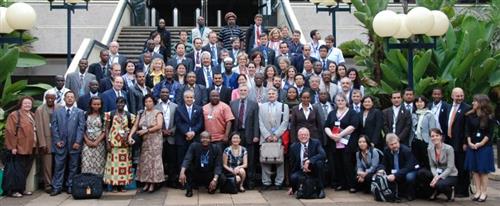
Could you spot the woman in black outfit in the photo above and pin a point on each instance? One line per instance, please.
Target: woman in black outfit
(340, 128)
(479, 130)
(372, 122)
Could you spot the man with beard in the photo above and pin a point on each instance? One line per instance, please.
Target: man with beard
(218, 119)
(230, 31)
(259, 93)
(201, 31)
(225, 92)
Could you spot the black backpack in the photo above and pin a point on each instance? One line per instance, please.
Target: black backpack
(308, 188)
(229, 185)
(380, 188)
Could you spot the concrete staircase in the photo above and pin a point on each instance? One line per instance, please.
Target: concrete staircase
(132, 38)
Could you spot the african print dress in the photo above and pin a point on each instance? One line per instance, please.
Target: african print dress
(94, 158)
(150, 168)
(119, 161)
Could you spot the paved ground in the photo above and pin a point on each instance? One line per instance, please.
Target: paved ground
(167, 197)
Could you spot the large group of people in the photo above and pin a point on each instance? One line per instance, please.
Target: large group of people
(196, 114)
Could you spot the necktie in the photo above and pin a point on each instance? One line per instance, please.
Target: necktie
(452, 119)
(241, 114)
(409, 108)
(209, 77)
(257, 38)
(189, 112)
(198, 57)
(324, 64)
(68, 113)
(325, 109)
(118, 94)
(356, 107)
(59, 97)
(218, 89)
(305, 153)
(82, 85)
(213, 52)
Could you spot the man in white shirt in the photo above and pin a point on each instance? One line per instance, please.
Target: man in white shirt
(59, 90)
(315, 43)
(334, 53)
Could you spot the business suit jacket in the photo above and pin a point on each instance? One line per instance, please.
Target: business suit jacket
(155, 55)
(67, 130)
(98, 70)
(234, 55)
(265, 50)
(446, 161)
(269, 120)
(186, 61)
(403, 123)
(109, 100)
(208, 48)
(251, 119)
(298, 62)
(225, 93)
(135, 97)
(406, 159)
(314, 150)
(372, 126)
(43, 115)
(83, 101)
(443, 115)
(73, 82)
(323, 116)
(142, 68)
(327, 63)
(122, 60)
(457, 138)
(192, 55)
(184, 124)
(200, 76)
(200, 95)
(250, 36)
(195, 33)
(253, 93)
(298, 120)
(172, 107)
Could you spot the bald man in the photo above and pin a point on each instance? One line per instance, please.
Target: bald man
(110, 95)
(455, 136)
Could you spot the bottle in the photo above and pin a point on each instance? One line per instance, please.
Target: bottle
(336, 130)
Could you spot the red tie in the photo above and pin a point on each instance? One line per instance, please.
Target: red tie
(258, 36)
(241, 114)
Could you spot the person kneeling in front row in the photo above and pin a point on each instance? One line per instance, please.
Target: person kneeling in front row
(201, 166)
(307, 158)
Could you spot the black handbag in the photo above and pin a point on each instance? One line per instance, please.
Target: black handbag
(13, 176)
(229, 185)
(87, 186)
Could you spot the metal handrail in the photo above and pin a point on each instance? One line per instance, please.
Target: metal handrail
(87, 45)
(290, 17)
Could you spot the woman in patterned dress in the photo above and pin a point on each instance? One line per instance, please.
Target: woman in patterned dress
(94, 150)
(150, 168)
(118, 171)
(235, 160)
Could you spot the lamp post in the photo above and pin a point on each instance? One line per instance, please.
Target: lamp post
(19, 17)
(70, 6)
(332, 7)
(418, 22)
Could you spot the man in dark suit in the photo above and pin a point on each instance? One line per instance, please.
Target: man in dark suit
(169, 152)
(205, 74)
(455, 137)
(323, 57)
(397, 119)
(213, 48)
(110, 95)
(100, 69)
(283, 53)
(235, 50)
(151, 50)
(356, 101)
(146, 64)
(298, 60)
(246, 113)
(180, 57)
(307, 158)
(189, 124)
(195, 55)
(68, 124)
(83, 101)
(399, 163)
(114, 56)
(267, 53)
(106, 83)
(137, 93)
(200, 91)
(295, 46)
(202, 165)
(253, 32)
(409, 98)
(225, 92)
(440, 108)
(324, 107)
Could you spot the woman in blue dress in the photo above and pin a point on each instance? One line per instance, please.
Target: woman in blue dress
(479, 155)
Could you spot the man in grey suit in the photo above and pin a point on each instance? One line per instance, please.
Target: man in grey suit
(273, 121)
(68, 124)
(78, 81)
(259, 93)
(246, 113)
(168, 130)
(200, 91)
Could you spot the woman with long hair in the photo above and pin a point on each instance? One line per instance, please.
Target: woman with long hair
(256, 58)
(368, 162)
(422, 121)
(129, 76)
(94, 147)
(479, 129)
(180, 73)
(289, 79)
(157, 73)
(353, 74)
(275, 40)
(372, 122)
(269, 74)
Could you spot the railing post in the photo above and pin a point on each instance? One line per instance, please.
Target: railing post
(175, 15)
(153, 17)
(219, 16)
(196, 15)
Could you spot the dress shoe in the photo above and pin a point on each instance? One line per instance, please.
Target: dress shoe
(189, 193)
(266, 187)
(483, 199)
(69, 191)
(321, 194)
(55, 192)
(278, 187)
(451, 196)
